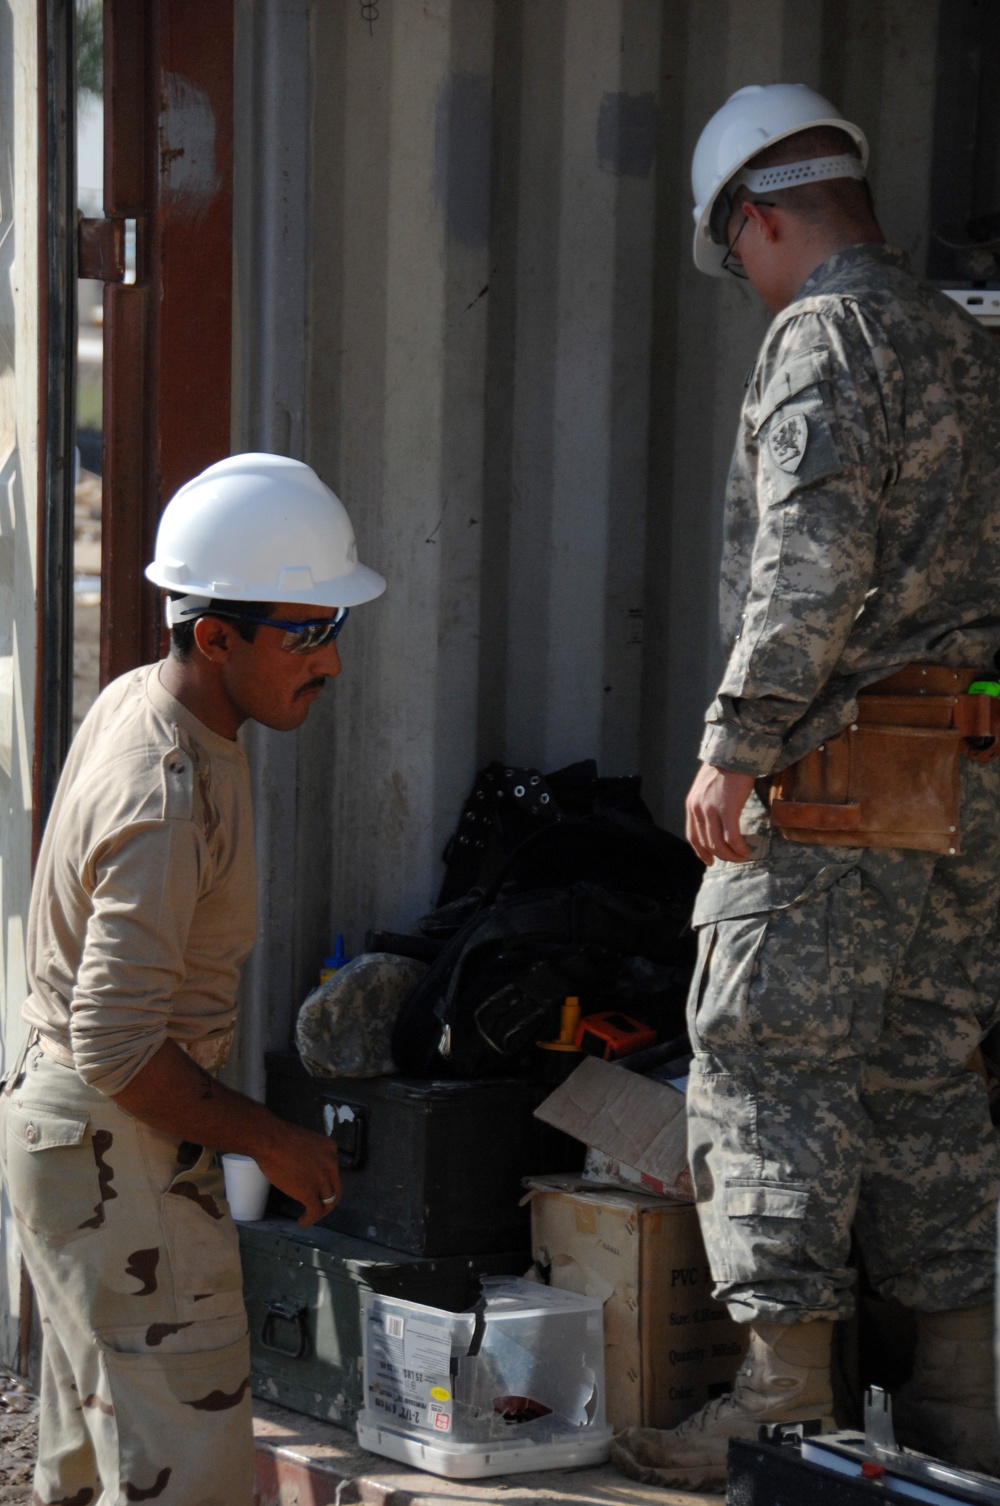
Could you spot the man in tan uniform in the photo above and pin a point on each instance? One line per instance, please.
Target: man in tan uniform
(142, 912)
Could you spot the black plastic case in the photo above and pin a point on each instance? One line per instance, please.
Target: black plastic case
(773, 1474)
(429, 1168)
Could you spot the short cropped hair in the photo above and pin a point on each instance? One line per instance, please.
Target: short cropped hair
(182, 633)
(826, 199)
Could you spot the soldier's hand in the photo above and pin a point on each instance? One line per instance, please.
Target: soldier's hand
(714, 804)
(304, 1165)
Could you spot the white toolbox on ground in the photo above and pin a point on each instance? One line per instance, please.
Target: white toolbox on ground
(515, 1384)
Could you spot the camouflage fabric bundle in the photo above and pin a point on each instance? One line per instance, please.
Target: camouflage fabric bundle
(344, 1028)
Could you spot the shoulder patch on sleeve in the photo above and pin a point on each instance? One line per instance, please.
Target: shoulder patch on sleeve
(178, 784)
(797, 428)
(787, 440)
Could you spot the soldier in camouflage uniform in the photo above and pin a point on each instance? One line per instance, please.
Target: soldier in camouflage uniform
(842, 986)
(142, 910)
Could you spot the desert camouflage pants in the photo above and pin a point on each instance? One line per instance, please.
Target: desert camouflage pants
(839, 994)
(135, 1263)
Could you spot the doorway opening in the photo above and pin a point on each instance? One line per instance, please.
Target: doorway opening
(90, 366)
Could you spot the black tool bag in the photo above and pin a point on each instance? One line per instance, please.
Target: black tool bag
(506, 805)
(595, 906)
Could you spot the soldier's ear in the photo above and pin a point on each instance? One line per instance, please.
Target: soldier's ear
(213, 637)
(764, 220)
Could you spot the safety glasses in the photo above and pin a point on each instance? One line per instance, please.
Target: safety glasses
(731, 262)
(300, 637)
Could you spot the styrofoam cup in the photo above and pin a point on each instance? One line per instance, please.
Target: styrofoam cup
(246, 1187)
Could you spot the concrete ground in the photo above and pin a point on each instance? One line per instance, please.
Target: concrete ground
(302, 1462)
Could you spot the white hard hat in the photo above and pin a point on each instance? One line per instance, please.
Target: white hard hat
(750, 120)
(259, 528)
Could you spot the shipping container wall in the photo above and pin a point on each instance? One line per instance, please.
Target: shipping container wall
(525, 395)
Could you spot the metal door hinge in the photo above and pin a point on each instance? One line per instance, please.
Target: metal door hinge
(100, 247)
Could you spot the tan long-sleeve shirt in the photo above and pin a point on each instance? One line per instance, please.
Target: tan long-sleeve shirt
(143, 905)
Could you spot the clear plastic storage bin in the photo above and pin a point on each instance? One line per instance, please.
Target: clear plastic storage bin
(514, 1384)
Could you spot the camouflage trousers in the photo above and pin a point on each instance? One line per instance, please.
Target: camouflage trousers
(838, 997)
(135, 1263)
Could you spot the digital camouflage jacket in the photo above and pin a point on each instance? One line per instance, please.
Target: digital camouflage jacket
(863, 507)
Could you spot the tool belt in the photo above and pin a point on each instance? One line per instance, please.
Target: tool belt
(892, 778)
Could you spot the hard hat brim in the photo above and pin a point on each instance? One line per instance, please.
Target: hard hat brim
(261, 527)
(351, 589)
(708, 255)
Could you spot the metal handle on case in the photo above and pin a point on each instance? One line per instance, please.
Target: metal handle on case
(350, 1134)
(280, 1308)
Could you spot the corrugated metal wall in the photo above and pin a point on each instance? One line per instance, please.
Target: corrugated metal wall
(525, 395)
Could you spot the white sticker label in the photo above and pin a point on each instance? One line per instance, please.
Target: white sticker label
(426, 1347)
(408, 1374)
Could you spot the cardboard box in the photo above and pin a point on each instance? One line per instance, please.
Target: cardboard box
(631, 1120)
(669, 1347)
(607, 1170)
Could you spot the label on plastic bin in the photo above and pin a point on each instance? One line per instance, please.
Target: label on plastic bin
(394, 1398)
(427, 1348)
(407, 1371)
(410, 1345)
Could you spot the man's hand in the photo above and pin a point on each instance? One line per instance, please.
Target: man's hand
(304, 1165)
(174, 1095)
(714, 804)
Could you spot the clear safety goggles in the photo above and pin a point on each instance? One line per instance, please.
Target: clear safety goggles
(300, 637)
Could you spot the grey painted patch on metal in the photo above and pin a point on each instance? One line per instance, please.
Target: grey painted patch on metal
(462, 157)
(187, 145)
(626, 134)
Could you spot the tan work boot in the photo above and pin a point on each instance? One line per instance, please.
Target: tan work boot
(948, 1406)
(785, 1378)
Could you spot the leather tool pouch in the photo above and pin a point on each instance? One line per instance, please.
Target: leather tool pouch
(874, 786)
(892, 779)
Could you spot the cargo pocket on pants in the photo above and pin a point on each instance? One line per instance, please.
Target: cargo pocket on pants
(765, 1224)
(720, 988)
(202, 1242)
(181, 1420)
(783, 981)
(53, 1170)
(801, 997)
